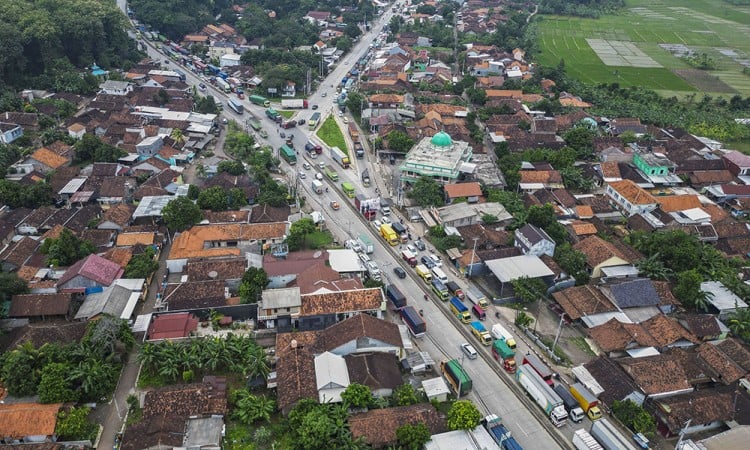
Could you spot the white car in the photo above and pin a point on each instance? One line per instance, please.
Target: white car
(353, 245)
(376, 224)
(323, 94)
(411, 249)
(322, 164)
(319, 176)
(469, 349)
(341, 114)
(436, 260)
(385, 220)
(306, 166)
(346, 120)
(302, 175)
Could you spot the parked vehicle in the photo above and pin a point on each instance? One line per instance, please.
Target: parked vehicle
(423, 272)
(397, 298)
(480, 332)
(457, 378)
(409, 256)
(582, 440)
(501, 435)
(609, 436)
(544, 372)
(499, 332)
(459, 310)
(476, 297)
(507, 357)
(542, 394)
(414, 322)
(439, 289)
(575, 413)
(478, 312)
(236, 106)
(294, 103)
(588, 401)
(454, 289)
(439, 274)
(340, 157)
(365, 243)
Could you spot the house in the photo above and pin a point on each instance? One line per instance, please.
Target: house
(600, 254)
(76, 131)
(331, 377)
(657, 376)
(195, 295)
(525, 266)
(617, 385)
(172, 326)
(112, 87)
(9, 132)
(45, 160)
(378, 426)
(28, 422)
(614, 338)
(728, 358)
(463, 214)
(40, 306)
(630, 198)
(668, 333)
(721, 300)
(737, 163)
(587, 304)
(284, 302)
(116, 218)
(656, 167)
(705, 327)
(319, 311)
(118, 300)
(700, 411)
(378, 371)
(92, 271)
(534, 241)
(471, 192)
(635, 297)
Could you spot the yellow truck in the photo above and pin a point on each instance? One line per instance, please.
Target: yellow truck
(389, 235)
(587, 400)
(424, 272)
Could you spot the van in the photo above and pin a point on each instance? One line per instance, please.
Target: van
(469, 350)
(478, 312)
(439, 274)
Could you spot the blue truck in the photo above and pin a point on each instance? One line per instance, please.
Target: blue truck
(459, 310)
(414, 321)
(397, 298)
(501, 435)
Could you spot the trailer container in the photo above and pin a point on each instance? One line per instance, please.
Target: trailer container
(397, 298)
(588, 401)
(609, 436)
(340, 157)
(476, 297)
(273, 115)
(542, 394)
(368, 207)
(260, 101)
(582, 440)
(575, 413)
(413, 321)
(541, 369)
(312, 122)
(409, 256)
(236, 106)
(294, 103)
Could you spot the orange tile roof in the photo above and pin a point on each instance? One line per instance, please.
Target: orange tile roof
(584, 211)
(582, 228)
(674, 203)
(463, 190)
(504, 93)
(610, 169)
(119, 255)
(633, 193)
(49, 158)
(28, 419)
(130, 239)
(386, 98)
(192, 243)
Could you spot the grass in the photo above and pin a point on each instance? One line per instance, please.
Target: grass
(286, 113)
(318, 239)
(701, 25)
(331, 134)
(580, 342)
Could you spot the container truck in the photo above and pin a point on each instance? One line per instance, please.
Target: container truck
(413, 321)
(365, 243)
(542, 394)
(480, 332)
(588, 401)
(397, 298)
(294, 103)
(368, 207)
(312, 122)
(501, 435)
(582, 440)
(359, 150)
(476, 297)
(544, 372)
(340, 157)
(609, 436)
(454, 289)
(255, 124)
(273, 115)
(331, 173)
(500, 332)
(236, 106)
(388, 234)
(366, 178)
(502, 353)
(353, 132)
(409, 256)
(223, 85)
(575, 413)
(423, 272)
(317, 186)
(260, 101)
(288, 154)
(457, 378)
(348, 189)
(312, 147)
(460, 310)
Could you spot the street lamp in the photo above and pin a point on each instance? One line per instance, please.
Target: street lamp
(473, 255)
(458, 394)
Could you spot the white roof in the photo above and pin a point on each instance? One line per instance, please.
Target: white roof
(595, 320)
(130, 157)
(642, 352)
(151, 206)
(331, 377)
(434, 387)
(281, 298)
(584, 377)
(696, 214)
(72, 186)
(515, 267)
(477, 439)
(344, 260)
(722, 298)
(620, 271)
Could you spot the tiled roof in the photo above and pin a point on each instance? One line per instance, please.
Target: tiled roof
(295, 369)
(700, 407)
(738, 352)
(540, 176)
(702, 325)
(95, 268)
(584, 212)
(674, 203)
(665, 294)
(119, 255)
(268, 214)
(195, 294)
(597, 250)
(738, 158)
(203, 269)
(191, 243)
(615, 336)
(610, 169)
(130, 239)
(119, 214)
(39, 333)
(632, 192)
(28, 419)
(18, 254)
(612, 378)
(459, 190)
(583, 228)
(378, 426)
(630, 293)
(35, 305)
(172, 326)
(361, 325)
(338, 302)
(667, 331)
(729, 371)
(656, 374)
(49, 158)
(533, 234)
(374, 370)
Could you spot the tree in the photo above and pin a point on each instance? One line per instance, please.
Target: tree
(357, 396)
(142, 265)
(254, 280)
(180, 214)
(399, 141)
(231, 167)
(54, 386)
(11, 284)
(477, 96)
(352, 31)
(91, 148)
(634, 417)
(413, 437)
(236, 198)
(463, 415)
(739, 323)
(426, 192)
(66, 249)
(688, 290)
(572, 262)
(249, 408)
(581, 139)
(652, 267)
(528, 290)
(298, 231)
(405, 395)
(21, 369)
(214, 198)
(489, 219)
(193, 190)
(344, 43)
(73, 425)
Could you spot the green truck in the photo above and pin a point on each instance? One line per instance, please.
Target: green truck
(260, 101)
(457, 378)
(273, 115)
(331, 173)
(288, 154)
(255, 125)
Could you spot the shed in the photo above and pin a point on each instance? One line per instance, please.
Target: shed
(436, 389)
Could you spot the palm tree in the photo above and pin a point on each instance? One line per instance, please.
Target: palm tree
(177, 136)
(739, 323)
(148, 356)
(652, 267)
(263, 407)
(701, 300)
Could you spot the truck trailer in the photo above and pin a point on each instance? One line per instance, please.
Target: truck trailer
(415, 323)
(501, 435)
(544, 372)
(575, 413)
(457, 378)
(366, 244)
(368, 207)
(260, 101)
(480, 332)
(340, 157)
(459, 310)
(582, 440)
(294, 104)
(273, 115)
(500, 332)
(397, 298)
(542, 394)
(502, 353)
(609, 437)
(476, 297)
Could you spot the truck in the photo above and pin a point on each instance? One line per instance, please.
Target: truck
(588, 401)
(294, 103)
(385, 206)
(223, 85)
(459, 310)
(340, 157)
(359, 150)
(273, 115)
(312, 147)
(542, 394)
(348, 189)
(501, 435)
(476, 297)
(312, 122)
(331, 173)
(397, 298)
(609, 436)
(480, 332)
(401, 231)
(255, 124)
(366, 178)
(439, 289)
(499, 332)
(582, 440)
(457, 378)
(368, 207)
(288, 154)
(544, 372)
(575, 413)
(286, 124)
(366, 244)
(260, 101)
(502, 353)
(454, 289)
(353, 132)
(409, 256)
(423, 272)
(317, 186)
(415, 323)
(236, 106)
(388, 234)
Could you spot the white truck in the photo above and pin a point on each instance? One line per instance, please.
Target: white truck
(294, 103)
(582, 440)
(609, 436)
(366, 243)
(317, 186)
(543, 395)
(223, 85)
(476, 297)
(500, 332)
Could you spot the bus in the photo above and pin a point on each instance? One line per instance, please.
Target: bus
(439, 289)
(348, 189)
(236, 105)
(288, 154)
(314, 119)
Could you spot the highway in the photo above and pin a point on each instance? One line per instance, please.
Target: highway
(491, 391)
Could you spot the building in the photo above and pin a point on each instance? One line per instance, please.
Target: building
(721, 300)
(534, 241)
(471, 192)
(91, 272)
(439, 158)
(630, 198)
(378, 426)
(9, 132)
(28, 422)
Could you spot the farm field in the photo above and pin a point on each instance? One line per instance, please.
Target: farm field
(641, 46)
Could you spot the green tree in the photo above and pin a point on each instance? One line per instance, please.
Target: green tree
(249, 408)
(477, 96)
(214, 198)
(206, 105)
(413, 437)
(231, 167)
(91, 148)
(357, 396)
(142, 265)
(21, 369)
(11, 284)
(254, 280)
(73, 425)
(298, 232)
(405, 395)
(239, 144)
(653, 267)
(54, 386)
(634, 417)
(489, 219)
(509, 199)
(688, 290)
(426, 192)
(581, 139)
(66, 249)
(528, 290)
(463, 415)
(344, 43)
(352, 31)
(739, 323)
(180, 214)
(236, 198)
(194, 190)
(399, 141)
(572, 262)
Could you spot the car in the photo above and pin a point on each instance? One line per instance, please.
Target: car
(322, 164)
(306, 166)
(166, 61)
(314, 106)
(301, 122)
(386, 220)
(282, 134)
(202, 87)
(346, 119)
(353, 245)
(419, 243)
(411, 248)
(302, 175)
(335, 205)
(323, 94)
(376, 224)
(401, 273)
(319, 176)
(364, 258)
(469, 350)
(427, 261)
(436, 260)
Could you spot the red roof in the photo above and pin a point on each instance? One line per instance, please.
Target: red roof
(172, 326)
(94, 267)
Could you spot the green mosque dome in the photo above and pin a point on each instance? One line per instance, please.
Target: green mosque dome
(441, 139)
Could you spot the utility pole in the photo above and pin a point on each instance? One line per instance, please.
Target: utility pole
(473, 255)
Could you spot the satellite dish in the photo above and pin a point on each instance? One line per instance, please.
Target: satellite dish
(213, 274)
(293, 344)
(317, 254)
